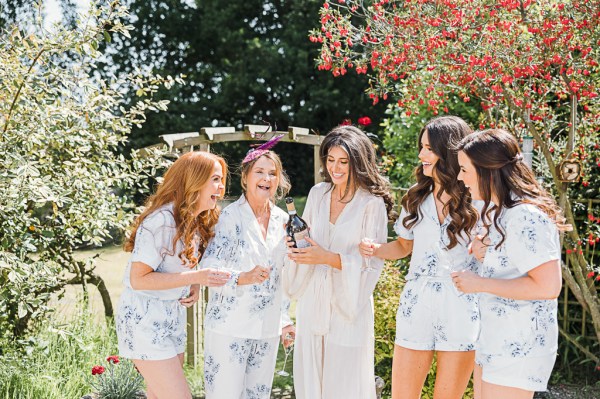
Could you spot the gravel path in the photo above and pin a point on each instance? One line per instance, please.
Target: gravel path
(570, 392)
(554, 392)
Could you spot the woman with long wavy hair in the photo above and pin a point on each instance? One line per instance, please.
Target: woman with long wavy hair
(161, 280)
(435, 226)
(520, 278)
(334, 352)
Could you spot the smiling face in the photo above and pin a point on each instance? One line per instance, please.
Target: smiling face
(338, 166)
(210, 192)
(427, 157)
(262, 180)
(468, 175)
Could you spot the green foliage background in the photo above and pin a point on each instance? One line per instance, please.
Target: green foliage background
(245, 62)
(65, 181)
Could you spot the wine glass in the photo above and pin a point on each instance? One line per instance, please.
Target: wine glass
(218, 265)
(448, 261)
(262, 289)
(367, 231)
(287, 350)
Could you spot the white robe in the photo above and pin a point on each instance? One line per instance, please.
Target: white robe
(334, 350)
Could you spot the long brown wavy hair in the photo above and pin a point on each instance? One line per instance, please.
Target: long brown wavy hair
(362, 161)
(444, 133)
(182, 185)
(501, 172)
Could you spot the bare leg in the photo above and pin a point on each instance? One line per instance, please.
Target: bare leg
(493, 391)
(453, 373)
(164, 378)
(477, 382)
(152, 395)
(409, 370)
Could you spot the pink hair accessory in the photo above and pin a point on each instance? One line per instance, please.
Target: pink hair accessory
(254, 153)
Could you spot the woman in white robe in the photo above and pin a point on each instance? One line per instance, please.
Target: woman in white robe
(334, 350)
(245, 318)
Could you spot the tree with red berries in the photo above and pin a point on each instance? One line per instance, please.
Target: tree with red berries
(532, 66)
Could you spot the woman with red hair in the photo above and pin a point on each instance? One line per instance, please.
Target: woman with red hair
(161, 280)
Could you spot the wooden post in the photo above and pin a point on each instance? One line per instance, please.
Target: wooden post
(317, 164)
(191, 341)
(195, 322)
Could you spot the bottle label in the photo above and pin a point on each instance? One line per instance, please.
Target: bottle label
(300, 239)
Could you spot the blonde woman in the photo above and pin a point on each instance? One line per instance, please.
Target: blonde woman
(245, 319)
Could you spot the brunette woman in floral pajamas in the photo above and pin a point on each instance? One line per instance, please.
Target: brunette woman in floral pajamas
(166, 242)
(434, 226)
(520, 278)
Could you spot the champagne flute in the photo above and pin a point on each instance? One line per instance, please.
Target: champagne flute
(366, 231)
(262, 289)
(287, 350)
(218, 265)
(448, 261)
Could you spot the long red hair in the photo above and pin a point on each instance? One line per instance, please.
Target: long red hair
(182, 184)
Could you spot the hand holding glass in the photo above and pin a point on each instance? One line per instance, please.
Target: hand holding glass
(366, 231)
(263, 287)
(287, 350)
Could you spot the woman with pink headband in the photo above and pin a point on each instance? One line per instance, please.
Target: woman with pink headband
(245, 318)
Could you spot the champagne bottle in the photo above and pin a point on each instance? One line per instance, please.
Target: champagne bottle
(296, 228)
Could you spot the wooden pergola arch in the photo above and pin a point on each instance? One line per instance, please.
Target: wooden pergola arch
(192, 141)
(185, 142)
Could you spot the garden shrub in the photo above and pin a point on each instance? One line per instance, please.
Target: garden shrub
(63, 180)
(386, 298)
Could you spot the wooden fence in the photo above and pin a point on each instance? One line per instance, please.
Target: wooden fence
(575, 324)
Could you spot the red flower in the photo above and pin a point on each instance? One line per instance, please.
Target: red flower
(113, 359)
(364, 121)
(598, 277)
(346, 122)
(590, 275)
(569, 251)
(97, 370)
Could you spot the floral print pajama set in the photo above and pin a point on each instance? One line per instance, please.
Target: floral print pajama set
(243, 323)
(519, 338)
(151, 324)
(433, 315)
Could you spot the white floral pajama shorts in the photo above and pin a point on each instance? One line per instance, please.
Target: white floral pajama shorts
(528, 373)
(433, 315)
(150, 328)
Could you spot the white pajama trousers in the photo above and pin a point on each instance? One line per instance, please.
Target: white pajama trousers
(238, 368)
